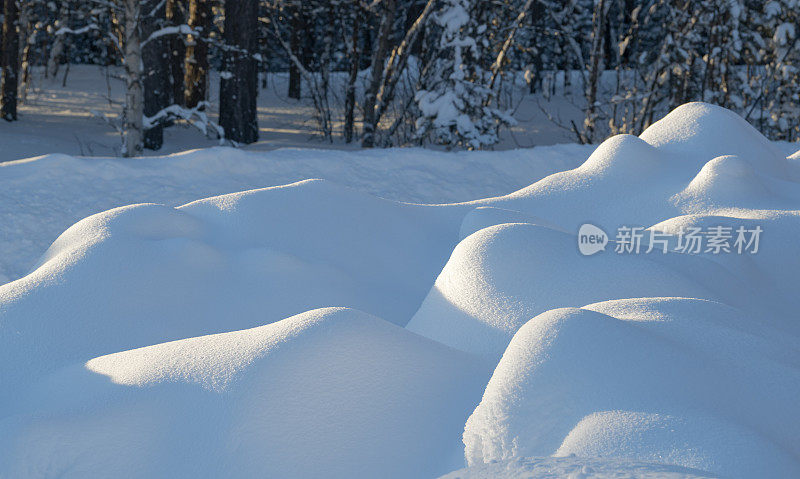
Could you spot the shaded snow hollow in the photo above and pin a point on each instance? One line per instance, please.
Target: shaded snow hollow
(312, 330)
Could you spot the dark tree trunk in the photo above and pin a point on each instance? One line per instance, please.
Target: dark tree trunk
(196, 79)
(310, 40)
(295, 80)
(10, 63)
(378, 60)
(355, 60)
(155, 78)
(239, 81)
(537, 16)
(176, 15)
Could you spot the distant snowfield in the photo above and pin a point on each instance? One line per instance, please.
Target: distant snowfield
(326, 329)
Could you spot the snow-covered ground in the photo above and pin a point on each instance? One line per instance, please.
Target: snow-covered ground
(573, 467)
(41, 197)
(67, 118)
(339, 328)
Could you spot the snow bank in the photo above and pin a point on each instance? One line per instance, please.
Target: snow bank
(673, 380)
(632, 180)
(670, 178)
(42, 197)
(696, 132)
(327, 393)
(687, 359)
(229, 262)
(500, 277)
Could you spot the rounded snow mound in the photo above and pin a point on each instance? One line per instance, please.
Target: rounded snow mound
(625, 155)
(230, 262)
(671, 380)
(327, 393)
(664, 438)
(624, 180)
(766, 268)
(697, 132)
(501, 276)
(726, 180)
(631, 180)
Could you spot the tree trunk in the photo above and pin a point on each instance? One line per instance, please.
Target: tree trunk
(595, 66)
(134, 98)
(295, 80)
(176, 15)
(196, 79)
(29, 39)
(8, 109)
(355, 60)
(326, 64)
(156, 74)
(239, 80)
(378, 60)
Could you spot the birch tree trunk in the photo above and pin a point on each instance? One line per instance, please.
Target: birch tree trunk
(10, 63)
(134, 97)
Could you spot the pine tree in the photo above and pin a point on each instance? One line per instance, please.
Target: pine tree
(456, 105)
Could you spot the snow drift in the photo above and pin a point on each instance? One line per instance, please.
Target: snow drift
(500, 277)
(670, 380)
(231, 262)
(700, 369)
(42, 197)
(117, 356)
(327, 393)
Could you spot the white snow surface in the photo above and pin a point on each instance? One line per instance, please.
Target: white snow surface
(41, 197)
(316, 330)
(573, 467)
(328, 393)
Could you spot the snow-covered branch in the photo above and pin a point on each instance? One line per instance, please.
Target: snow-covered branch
(171, 30)
(196, 117)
